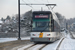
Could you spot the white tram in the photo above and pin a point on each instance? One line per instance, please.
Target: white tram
(45, 27)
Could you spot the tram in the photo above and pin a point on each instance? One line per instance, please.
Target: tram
(45, 27)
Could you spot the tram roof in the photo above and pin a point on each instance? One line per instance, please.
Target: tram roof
(42, 11)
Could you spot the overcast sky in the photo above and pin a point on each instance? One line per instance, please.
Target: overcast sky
(10, 7)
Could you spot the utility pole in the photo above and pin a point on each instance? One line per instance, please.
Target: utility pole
(19, 19)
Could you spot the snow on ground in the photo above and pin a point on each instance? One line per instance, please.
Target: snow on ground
(68, 44)
(63, 34)
(52, 46)
(25, 47)
(7, 39)
(73, 33)
(36, 47)
(12, 39)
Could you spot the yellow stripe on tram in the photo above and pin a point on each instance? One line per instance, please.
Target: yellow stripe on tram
(41, 35)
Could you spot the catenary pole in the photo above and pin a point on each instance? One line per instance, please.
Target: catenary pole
(19, 19)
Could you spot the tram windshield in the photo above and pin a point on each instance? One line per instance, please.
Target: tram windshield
(40, 26)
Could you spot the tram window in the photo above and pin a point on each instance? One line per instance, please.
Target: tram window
(33, 24)
(42, 24)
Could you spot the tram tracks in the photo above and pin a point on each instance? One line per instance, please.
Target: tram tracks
(33, 47)
(60, 44)
(38, 46)
(29, 47)
(43, 46)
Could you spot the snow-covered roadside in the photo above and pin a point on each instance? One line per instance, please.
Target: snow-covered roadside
(36, 47)
(68, 43)
(12, 39)
(25, 47)
(52, 46)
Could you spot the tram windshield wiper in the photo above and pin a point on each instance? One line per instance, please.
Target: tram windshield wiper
(45, 28)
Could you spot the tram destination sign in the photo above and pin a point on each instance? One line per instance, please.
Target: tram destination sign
(41, 16)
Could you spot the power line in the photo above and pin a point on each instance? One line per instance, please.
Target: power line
(38, 1)
(48, 7)
(45, 1)
(41, 4)
(28, 5)
(38, 4)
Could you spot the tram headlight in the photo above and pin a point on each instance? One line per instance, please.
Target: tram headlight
(48, 34)
(33, 34)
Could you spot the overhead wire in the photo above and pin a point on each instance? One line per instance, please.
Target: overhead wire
(37, 1)
(48, 6)
(30, 2)
(28, 5)
(44, 2)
